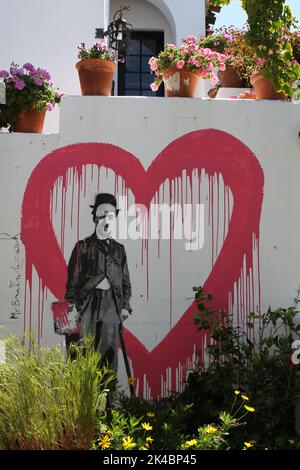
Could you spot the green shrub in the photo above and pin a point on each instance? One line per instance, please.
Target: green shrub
(260, 367)
(48, 401)
(259, 370)
(165, 427)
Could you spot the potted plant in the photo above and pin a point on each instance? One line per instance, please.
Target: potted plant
(216, 40)
(181, 68)
(240, 57)
(276, 68)
(29, 94)
(96, 68)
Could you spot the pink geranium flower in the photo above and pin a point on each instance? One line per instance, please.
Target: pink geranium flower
(190, 39)
(153, 64)
(207, 52)
(184, 50)
(214, 79)
(153, 86)
(180, 64)
(193, 47)
(194, 61)
(203, 73)
(260, 62)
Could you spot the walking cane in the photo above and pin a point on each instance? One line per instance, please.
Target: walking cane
(127, 366)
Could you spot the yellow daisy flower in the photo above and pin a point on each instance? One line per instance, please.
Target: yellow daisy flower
(244, 397)
(248, 445)
(210, 429)
(150, 414)
(249, 408)
(150, 439)
(191, 443)
(237, 392)
(128, 442)
(104, 443)
(147, 426)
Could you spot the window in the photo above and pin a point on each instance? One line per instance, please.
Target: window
(134, 75)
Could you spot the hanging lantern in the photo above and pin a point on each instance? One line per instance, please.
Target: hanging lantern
(119, 30)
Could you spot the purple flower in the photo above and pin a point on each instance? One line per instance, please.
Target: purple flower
(29, 67)
(43, 74)
(20, 85)
(49, 106)
(4, 74)
(37, 81)
(19, 71)
(228, 37)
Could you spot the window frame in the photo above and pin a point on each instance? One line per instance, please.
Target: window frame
(140, 35)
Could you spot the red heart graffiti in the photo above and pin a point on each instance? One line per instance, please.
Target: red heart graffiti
(212, 150)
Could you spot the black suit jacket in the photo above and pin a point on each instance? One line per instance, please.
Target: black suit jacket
(93, 259)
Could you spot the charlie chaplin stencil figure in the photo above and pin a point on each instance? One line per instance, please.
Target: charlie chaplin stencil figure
(99, 283)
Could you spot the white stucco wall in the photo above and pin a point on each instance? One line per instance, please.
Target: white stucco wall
(144, 127)
(189, 16)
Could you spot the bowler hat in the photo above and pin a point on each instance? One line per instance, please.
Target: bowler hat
(105, 198)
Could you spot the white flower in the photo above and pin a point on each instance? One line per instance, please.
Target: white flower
(296, 94)
(296, 97)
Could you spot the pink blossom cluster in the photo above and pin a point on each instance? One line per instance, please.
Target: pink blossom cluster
(101, 46)
(99, 50)
(260, 62)
(153, 64)
(190, 56)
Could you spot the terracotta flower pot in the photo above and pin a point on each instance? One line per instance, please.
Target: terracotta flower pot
(229, 78)
(264, 88)
(96, 76)
(181, 83)
(30, 121)
(248, 95)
